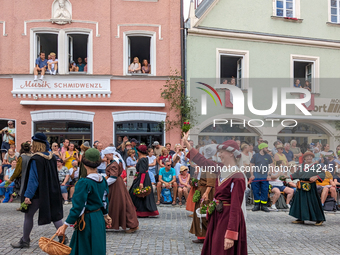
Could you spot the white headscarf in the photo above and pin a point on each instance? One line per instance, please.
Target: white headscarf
(117, 156)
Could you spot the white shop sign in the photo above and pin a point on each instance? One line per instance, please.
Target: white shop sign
(61, 86)
(324, 107)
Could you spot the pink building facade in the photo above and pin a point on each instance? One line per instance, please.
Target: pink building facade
(106, 101)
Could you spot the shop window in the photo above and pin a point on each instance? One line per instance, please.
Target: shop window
(77, 49)
(141, 47)
(302, 129)
(231, 70)
(47, 43)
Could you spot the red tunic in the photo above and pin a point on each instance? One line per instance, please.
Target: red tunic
(230, 222)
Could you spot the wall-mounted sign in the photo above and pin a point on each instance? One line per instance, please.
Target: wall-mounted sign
(324, 107)
(61, 86)
(23, 122)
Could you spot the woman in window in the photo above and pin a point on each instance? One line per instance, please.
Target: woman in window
(146, 68)
(73, 67)
(135, 66)
(307, 86)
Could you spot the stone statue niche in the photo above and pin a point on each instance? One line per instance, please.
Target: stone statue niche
(61, 12)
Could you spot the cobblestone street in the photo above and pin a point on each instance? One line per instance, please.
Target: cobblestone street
(268, 233)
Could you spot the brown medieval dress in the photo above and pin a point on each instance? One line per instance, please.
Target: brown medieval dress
(121, 209)
(228, 223)
(206, 180)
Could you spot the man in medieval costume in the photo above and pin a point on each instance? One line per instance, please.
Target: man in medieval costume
(41, 190)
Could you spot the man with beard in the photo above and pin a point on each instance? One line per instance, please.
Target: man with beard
(260, 164)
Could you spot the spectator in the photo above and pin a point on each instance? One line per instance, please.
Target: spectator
(133, 145)
(126, 146)
(52, 64)
(167, 179)
(191, 142)
(101, 168)
(260, 177)
(95, 144)
(280, 156)
(296, 150)
(73, 67)
(307, 86)
(207, 140)
(168, 147)
(233, 81)
(326, 151)
(40, 66)
(82, 169)
(288, 153)
(238, 143)
(146, 68)
(74, 177)
(7, 192)
(183, 186)
(152, 161)
(297, 84)
(135, 66)
(64, 175)
(325, 187)
(10, 157)
(251, 149)
(8, 137)
(157, 149)
(66, 143)
(85, 67)
(80, 65)
(165, 156)
(278, 187)
(70, 155)
(259, 141)
(11, 147)
(177, 166)
(131, 160)
(179, 151)
(55, 150)
(274, 150)
(245, 157)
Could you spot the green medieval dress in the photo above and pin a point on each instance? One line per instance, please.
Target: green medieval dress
(307, 204)
(89, 196)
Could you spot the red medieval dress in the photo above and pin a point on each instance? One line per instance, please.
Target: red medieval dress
(230, 222)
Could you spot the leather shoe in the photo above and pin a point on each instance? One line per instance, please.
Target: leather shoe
(198, 241)
(264, 208)
(21, 244)
(256, 208)
(61, 239)
(131, 230)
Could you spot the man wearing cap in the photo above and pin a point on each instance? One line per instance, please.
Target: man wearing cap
(133, 145)
(41, 190)
(157, 148)
(260, 165)
(95, 144)
(306, 203)
(121, 208)
(123, 151)
(8, 137)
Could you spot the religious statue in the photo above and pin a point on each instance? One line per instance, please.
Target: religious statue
(61, 12)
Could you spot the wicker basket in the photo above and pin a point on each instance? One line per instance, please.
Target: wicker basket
(199, 215)
(52, 247)
(144, 194)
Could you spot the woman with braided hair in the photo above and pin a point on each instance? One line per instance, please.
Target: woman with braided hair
(226, 232)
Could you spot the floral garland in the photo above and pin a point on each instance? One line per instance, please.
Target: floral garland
(138, 191)
(210, 207)
(306, 187)
(194, 182)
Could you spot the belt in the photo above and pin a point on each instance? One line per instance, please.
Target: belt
(82, 221)
(87, 211)
(225, 203)
(298, 185)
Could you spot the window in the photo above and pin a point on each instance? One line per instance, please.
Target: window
(233, 67)
(335, 13)
(77, 48)
(285, 8)
(68, 44)
(305, 72)
(141, 46)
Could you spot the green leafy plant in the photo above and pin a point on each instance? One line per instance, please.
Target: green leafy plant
(197, 196)
(204, 209)
(182, 105)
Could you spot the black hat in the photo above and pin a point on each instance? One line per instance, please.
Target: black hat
(41, 138)
(133, 140)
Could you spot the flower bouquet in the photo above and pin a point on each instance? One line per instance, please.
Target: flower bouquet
(142, 192)
(194, 182)
(212, 206)
(186, 127)
(197, 196)
(23, 207)
(6, 184)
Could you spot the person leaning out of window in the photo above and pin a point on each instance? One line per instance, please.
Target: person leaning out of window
(146, 67)
(135, 66)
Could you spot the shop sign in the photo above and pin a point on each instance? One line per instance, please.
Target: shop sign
(324, 107)
(61, 86)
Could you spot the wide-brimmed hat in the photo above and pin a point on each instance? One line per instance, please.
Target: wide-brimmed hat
(308, 153)
(142, 149)
(292, 163)
(127, 143)
(183, 168)
(92, 158)
(279, 146)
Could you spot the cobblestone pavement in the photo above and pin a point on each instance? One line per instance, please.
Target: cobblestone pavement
(268, 233)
